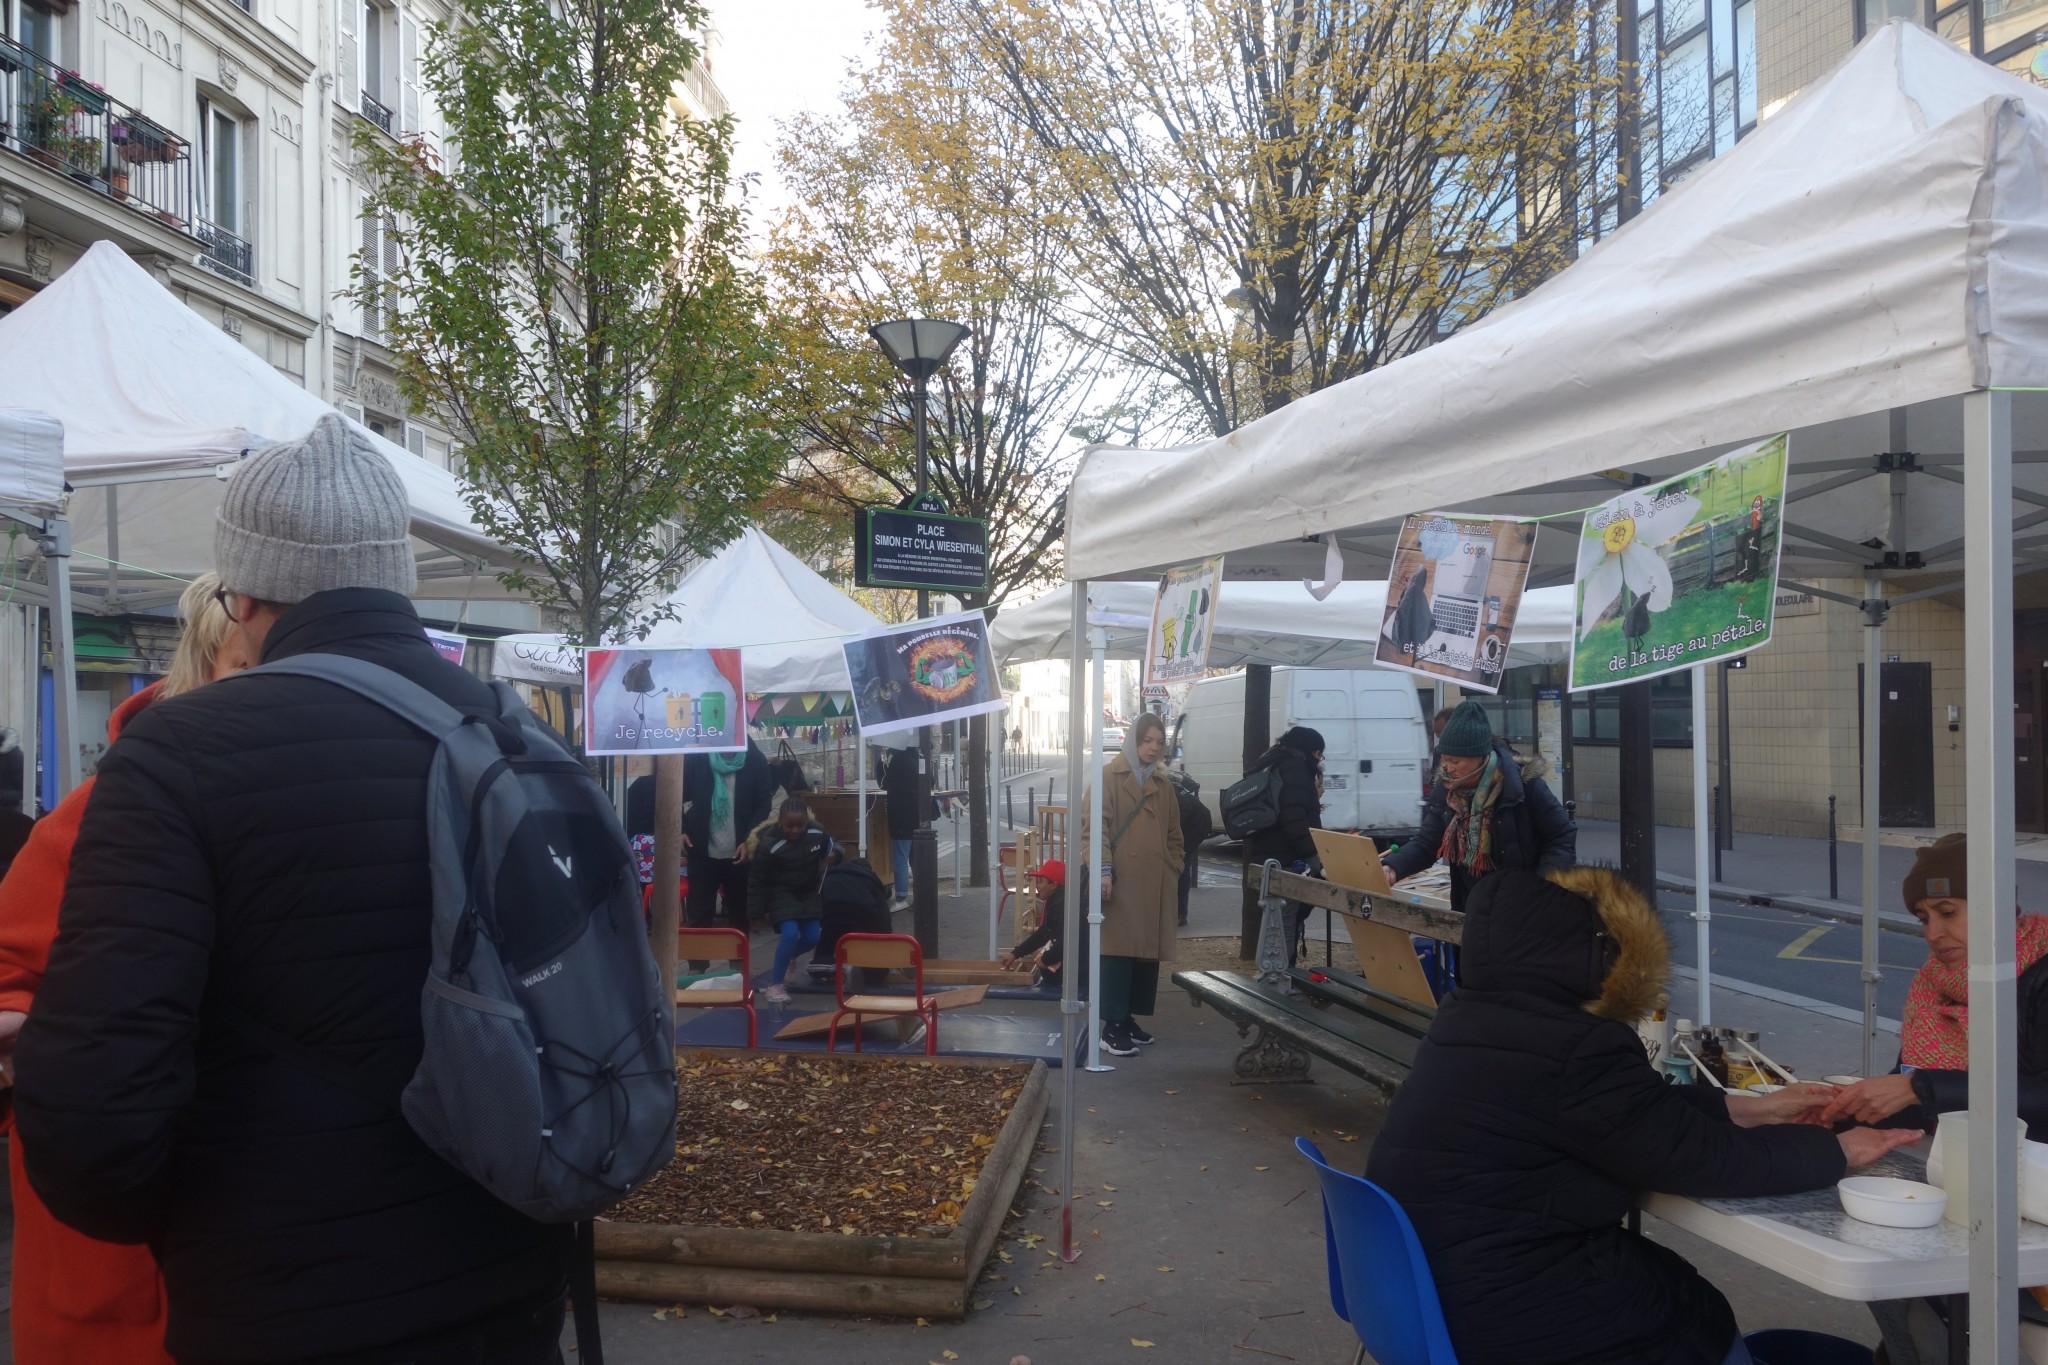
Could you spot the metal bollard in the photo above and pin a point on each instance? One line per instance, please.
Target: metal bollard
(1834, 872)
(1031, 806)
(1010, 807)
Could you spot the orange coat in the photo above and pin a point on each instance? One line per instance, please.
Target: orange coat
(75, 1301)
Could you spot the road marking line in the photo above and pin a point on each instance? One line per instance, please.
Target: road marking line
(1806, 940)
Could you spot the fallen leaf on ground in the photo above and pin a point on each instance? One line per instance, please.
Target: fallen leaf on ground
(1166, 1270)
(1139, 1341)
(718, 1312)
(1262, 1168)
(1102, 1279)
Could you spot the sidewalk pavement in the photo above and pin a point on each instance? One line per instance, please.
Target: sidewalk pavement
(1200, 1226)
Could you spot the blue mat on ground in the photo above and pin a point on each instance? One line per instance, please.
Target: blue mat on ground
(1023, 990)
(960, 1034)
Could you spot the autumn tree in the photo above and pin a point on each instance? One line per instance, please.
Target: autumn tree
(571, 292)
(922, 199)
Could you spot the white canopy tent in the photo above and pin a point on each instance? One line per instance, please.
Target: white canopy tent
(32, 496)
(1259, 623)
(1867, 271)
(157, 406)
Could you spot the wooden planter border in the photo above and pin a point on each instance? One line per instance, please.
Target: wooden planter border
(929, 1277)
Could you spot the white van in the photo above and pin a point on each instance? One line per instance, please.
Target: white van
(1375, 745)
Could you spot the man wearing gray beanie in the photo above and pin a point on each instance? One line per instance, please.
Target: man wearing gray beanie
(247, 915)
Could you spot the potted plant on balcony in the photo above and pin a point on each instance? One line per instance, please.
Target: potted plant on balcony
(85, 158)
(141, 140)
(89, 96)
(46, 125)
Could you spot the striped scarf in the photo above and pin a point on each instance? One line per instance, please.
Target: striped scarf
(1936, 1032)
(1468, 838)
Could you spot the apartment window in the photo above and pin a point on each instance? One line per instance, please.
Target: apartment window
(1596, 716)
(224, 210)
(42, 32)
(365, 41)
(376, 294)
(1995, 30)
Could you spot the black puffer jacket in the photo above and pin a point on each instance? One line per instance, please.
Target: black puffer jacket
(753, 792)
(1532, 1119)
(1532, 831)
(785, 876)
(260, 844)
(1301, 810)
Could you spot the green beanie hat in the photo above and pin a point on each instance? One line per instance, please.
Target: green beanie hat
(1940, 871)
(1467, 733)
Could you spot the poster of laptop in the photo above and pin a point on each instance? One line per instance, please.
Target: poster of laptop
(1452, 596)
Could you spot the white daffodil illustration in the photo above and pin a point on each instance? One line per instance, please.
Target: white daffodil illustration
(1625, 550)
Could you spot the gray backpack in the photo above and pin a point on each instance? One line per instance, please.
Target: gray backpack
(549, 1074)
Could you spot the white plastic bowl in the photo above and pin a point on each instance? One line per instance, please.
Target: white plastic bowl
(1892, 1203)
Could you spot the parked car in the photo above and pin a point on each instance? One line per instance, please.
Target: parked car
(1376, 747)
(1112, 739)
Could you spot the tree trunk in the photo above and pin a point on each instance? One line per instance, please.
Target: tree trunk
(977, 799)
(667, 907)
(1258, 737)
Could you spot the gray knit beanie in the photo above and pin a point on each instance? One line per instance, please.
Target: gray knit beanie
(309, 515)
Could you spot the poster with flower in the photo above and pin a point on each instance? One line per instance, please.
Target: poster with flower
(1681, 572)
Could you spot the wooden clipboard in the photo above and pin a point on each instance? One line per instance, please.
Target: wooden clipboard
(1386, 957)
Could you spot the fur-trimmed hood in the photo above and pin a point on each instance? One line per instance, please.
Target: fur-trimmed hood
(1581, 936)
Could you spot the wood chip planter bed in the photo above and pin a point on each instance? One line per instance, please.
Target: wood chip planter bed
(834, 1183)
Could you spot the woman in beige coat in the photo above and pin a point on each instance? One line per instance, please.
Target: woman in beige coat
(1141, 862)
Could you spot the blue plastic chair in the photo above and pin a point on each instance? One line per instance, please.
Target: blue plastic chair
(1380, 1281)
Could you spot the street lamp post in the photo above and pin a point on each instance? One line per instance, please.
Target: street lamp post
(919, 346)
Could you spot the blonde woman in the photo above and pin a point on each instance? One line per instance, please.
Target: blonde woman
(75, 1299)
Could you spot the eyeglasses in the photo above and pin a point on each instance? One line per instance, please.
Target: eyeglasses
(225, 598)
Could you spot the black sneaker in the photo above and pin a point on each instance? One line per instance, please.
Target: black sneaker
(1116, 1042)
(1138, 1035)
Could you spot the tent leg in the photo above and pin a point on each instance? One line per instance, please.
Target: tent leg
(63, 656)
(1070, 970)
(31, 707)
(1988, 779)
(1874, 613)
(860, 803)
(1099, 638)
(995, 831)
(1702, 855)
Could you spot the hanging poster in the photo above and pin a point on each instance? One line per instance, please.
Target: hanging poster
(1452, 596)
(450, 647)
(1177, 646)
(1681, 572)
(918, 674)
(663, 701)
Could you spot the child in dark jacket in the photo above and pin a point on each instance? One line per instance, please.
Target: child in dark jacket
(785, 875)
(855, 902)
(1049, 941)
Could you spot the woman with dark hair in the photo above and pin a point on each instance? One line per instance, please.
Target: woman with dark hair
(1141, 860)
(1298, 757)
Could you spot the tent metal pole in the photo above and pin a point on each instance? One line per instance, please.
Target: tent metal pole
(63, 656)
(996, 727)
(1070, 1003)
(1097, 703)
(860, 801)
(1702, 853)
(32, 705)
(1874, 611)
(1988, 780)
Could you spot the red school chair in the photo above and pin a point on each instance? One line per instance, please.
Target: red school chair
(719, 945)
(895, 952)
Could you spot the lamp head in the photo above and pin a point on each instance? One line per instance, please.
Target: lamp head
(918, 346)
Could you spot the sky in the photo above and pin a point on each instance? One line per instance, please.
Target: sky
(779, 58)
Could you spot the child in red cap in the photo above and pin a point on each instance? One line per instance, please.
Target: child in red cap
(1047, 942)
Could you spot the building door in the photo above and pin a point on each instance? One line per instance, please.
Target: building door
(1905, 726)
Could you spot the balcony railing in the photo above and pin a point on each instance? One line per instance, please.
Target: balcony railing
(52, 117)
(376, 113)
(227, 254)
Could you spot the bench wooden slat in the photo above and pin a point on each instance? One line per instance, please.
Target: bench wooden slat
(1350, 991)
(1365, 1047)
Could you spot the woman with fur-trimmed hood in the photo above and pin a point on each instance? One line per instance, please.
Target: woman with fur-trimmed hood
(1533, 1119)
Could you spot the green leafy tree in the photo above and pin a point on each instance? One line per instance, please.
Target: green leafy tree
(564, 281)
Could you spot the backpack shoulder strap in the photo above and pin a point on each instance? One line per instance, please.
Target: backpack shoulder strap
(390, 690)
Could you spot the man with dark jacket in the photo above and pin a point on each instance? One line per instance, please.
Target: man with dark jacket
(725, 796)
(1532, 1119)
(1488, 811)
(900, 782)
(853, 901)
(249, 906)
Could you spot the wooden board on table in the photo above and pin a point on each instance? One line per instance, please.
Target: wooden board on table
(939, 971)
(818, 1025)
(1386, 958)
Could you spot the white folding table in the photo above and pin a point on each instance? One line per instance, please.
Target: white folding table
(1808, 1239)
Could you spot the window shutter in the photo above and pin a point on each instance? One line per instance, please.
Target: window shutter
(408, 75)
(388, 270)
(348, 51)
(416, 440)
(372, 263)
(352, 411)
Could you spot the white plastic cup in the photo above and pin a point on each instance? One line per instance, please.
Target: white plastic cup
(1948, 1165)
